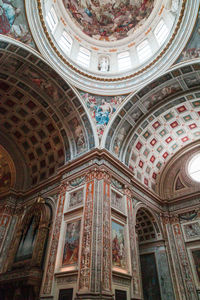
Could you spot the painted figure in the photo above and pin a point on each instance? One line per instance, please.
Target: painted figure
(12, 21)
(70, 254)
(108, 19)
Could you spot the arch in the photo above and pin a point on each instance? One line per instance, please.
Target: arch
(177, 168)
(151, 230)
(40, 112)
(169, 106)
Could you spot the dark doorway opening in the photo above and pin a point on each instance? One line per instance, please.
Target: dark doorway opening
(120, 295)
(66, 294)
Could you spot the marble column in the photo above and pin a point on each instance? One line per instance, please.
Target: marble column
(135, 264)
(94, 279)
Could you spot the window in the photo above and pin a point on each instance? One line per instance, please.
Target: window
(124, 61)
(161, 32)
(144, 51)
(194, 168)
(65, 42)
(52, 19)
(83, 57)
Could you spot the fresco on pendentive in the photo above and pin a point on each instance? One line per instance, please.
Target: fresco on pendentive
(192, 49)
(101, 108)
(13, 22)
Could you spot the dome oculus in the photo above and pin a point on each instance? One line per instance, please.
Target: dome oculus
(109, 20)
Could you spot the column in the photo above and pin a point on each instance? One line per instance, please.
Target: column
(182, 275)
(94, 279)
(135, 265)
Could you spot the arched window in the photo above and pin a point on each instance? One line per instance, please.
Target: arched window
(161, 32)
(124, 61)
(84, 57)
(52, 19)
(194, 168)
(144, 51)
(65, 42)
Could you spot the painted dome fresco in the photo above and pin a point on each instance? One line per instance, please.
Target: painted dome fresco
(110, 47)
(109, 20)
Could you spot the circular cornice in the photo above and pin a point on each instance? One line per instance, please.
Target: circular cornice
(104, 79)
(114, 84)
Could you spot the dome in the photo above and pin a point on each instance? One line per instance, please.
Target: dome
(107, 47)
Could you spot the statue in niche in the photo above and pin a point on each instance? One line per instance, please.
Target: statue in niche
(104, 64)
(26, 245)
(173, 5)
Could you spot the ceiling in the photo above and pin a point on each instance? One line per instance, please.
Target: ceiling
(108, 20)
(46, 122)
(40, 113)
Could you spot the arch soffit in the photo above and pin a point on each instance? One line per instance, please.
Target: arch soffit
(152, 217)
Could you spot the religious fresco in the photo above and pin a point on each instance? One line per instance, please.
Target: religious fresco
(117, 201)
(42, 82)
(191, 231)
(123, 132)
(118, 246)
(101, 108)
(109, 20)
(71, 247)
(78, 132)
(13, 22)
(192, 50)
(150, 283)
(5, 174)
(161, 94)
(76, 198)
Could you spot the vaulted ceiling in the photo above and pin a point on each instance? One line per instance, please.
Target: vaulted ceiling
(40, 113)
(46, 122)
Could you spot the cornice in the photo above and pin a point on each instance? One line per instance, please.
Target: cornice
(104, 79)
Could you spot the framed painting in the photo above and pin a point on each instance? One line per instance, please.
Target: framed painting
(71, 245)
(76, 198)
(117, 201)
(118, 245)
(194, 255)
(191, 231)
